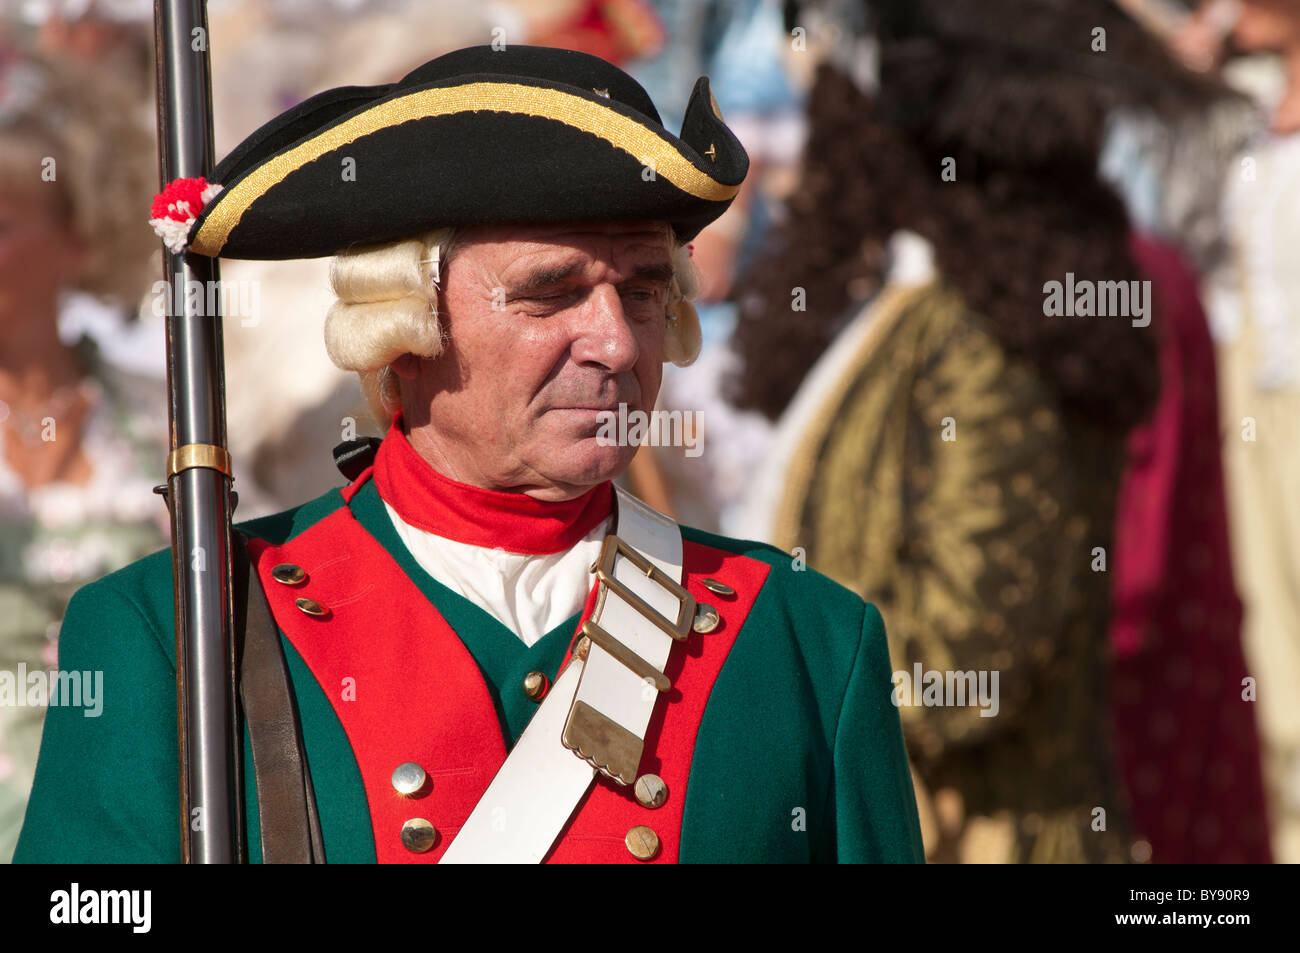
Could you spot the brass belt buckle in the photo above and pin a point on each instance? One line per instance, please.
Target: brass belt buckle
(614, 546)
(598, 739)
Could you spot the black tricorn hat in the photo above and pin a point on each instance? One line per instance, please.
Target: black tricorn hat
(526, 135)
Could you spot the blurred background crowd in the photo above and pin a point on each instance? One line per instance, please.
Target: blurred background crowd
(1105, 512)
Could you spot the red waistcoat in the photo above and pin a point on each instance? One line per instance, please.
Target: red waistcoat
(405, 688)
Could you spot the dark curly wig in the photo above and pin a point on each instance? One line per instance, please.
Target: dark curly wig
(1011, 90)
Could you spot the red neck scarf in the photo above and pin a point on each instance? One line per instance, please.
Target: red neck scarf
(426, 499)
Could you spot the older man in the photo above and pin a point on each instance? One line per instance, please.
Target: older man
(494, 654)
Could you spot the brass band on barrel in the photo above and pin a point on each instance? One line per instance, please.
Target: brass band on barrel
(192, 455)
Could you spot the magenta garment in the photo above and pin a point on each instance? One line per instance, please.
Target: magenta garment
(1185, 740)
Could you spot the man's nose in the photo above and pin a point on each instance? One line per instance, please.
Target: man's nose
(603, 336)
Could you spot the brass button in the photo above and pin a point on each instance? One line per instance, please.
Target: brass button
(582, 648)
(535, 685)
(712, 153)
(650, 790)
(310, 606)
(721, 588)
(289, 574)
(642, 842)
(706, 618)
(418, 835)
(409, 779)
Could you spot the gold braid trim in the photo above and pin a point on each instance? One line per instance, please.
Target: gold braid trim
(619, 131)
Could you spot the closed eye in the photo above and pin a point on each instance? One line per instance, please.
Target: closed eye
(554, 297)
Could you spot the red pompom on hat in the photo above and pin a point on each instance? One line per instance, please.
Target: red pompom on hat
(176, 207)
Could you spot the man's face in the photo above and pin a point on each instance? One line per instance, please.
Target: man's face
(546, 327)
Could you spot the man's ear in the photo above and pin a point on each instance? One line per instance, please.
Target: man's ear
(406, 367)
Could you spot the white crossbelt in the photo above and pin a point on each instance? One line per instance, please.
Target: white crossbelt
(601, 707)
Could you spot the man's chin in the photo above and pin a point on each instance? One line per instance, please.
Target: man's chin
(586, 462)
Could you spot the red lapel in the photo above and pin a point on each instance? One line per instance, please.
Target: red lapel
(396, 674)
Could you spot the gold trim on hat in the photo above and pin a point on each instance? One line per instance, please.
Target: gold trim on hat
(620, 131)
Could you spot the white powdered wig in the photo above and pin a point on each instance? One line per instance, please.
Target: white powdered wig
(388, 306)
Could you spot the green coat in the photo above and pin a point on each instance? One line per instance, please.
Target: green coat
(794, 752)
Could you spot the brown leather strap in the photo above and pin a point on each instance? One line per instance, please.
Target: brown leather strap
(286, 803)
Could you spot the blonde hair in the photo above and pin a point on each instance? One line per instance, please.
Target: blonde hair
(388, 306)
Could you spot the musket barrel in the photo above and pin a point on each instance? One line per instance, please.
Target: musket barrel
(199, 496)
